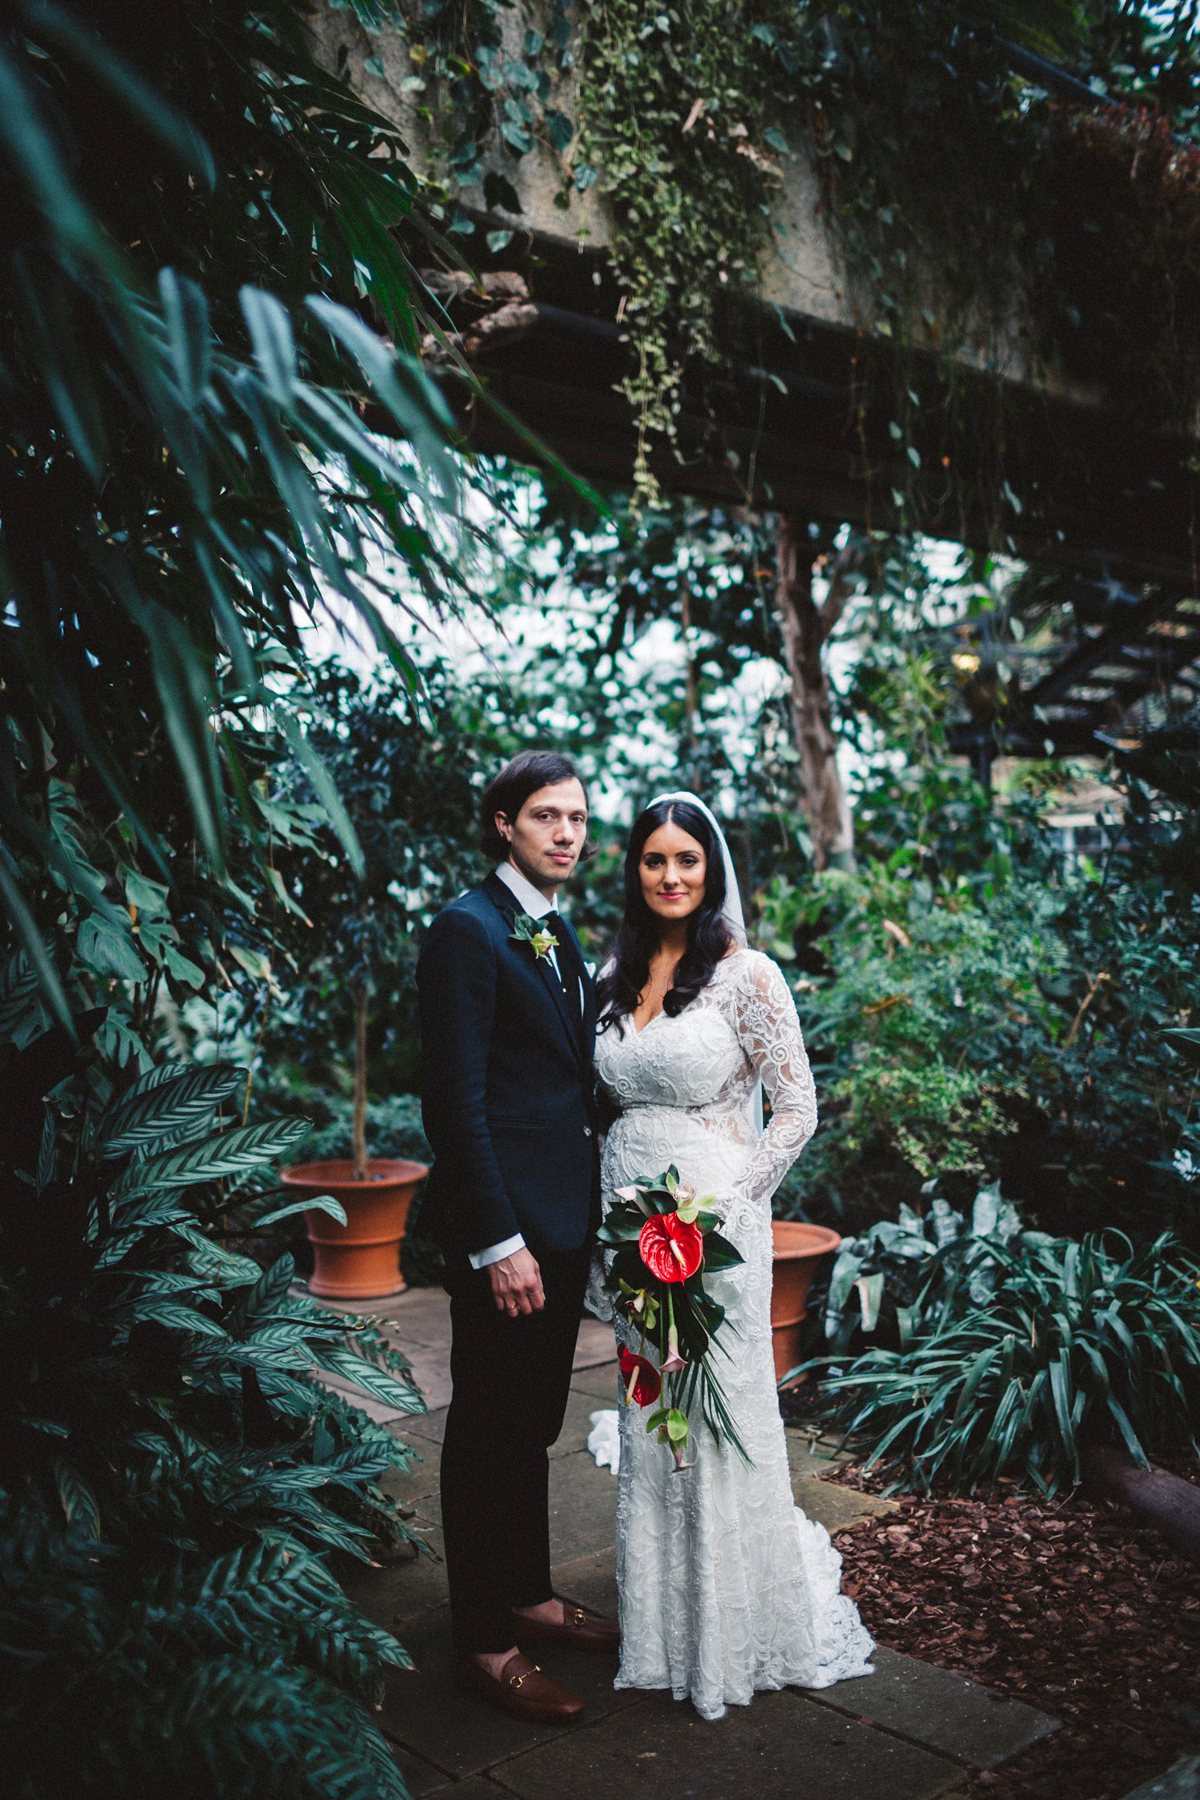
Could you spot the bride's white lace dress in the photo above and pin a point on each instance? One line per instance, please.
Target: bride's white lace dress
(725, 1586)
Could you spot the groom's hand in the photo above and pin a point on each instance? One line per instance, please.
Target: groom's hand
(517, 1284)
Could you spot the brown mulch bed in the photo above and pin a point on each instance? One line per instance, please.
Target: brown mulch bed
(1066, 1604)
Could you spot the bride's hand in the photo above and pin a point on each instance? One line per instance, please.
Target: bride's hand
(517, 1284)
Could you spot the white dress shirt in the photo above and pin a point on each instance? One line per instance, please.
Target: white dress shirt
(532, 901)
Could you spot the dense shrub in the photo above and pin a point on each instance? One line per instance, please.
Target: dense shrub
(175, 1487)
(1075, 1340)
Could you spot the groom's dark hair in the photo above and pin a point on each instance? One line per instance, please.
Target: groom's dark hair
(511, 788)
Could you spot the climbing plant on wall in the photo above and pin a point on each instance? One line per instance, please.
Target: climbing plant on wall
(932, 143)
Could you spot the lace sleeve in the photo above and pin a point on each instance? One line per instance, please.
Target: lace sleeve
(769, 1032)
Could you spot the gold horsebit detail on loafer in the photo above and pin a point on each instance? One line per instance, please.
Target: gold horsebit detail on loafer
(578, 1618)
(514, 1681)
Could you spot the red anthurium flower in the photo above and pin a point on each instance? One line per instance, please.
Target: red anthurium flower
(670, 1249)
(643, 1382)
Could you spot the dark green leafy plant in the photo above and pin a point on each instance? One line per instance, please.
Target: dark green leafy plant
(408, 773)
(886, 1275)
(175, 1481)
(195, 219)
(1077, 1340)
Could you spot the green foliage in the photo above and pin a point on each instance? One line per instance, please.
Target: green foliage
(233, 1679)
(925, 1026)
(174, 1478)
(884, 1277)
(194, 215)
(1124, 182)
(1076, 1340)
(928, 144)
(408, 771)
(974, 1002)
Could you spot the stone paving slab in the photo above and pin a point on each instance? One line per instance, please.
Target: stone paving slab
(431, 1372)
(583, 1508)
(838, 1508)
(946, 1712)
(590, 1581)
(1180, 1782)
(903, 1734)
(574, 1434)
(422, 1777)
(811, 1457)
(600, 1382)
(424, 1473)
(595, 1344)
(583, 1523)
(430, 1426)
(780, 1747)
(425, 1710)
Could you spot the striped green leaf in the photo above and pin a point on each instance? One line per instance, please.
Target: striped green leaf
(151, 1111)
(230, 1153)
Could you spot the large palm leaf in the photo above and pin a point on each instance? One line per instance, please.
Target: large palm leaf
(195, 217)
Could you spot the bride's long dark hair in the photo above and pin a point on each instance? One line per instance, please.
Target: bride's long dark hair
(709, 936)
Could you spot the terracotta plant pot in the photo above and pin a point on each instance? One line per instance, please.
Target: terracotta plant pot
(798, 1248)
(359, 1260)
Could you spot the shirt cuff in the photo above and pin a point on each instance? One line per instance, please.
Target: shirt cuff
(479, 1259)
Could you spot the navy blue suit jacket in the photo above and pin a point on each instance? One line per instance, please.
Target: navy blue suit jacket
(508, 1092)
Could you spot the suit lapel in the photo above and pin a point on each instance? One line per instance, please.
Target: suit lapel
(587, 1024)
(505, 902)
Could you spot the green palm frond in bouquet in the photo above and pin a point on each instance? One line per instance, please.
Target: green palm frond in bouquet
(665, 1239)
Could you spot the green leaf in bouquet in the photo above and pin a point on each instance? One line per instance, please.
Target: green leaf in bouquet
(709, 1311)
(690, 1325)
(719, 1253)
(622, 1224)
(677, 1426)
(628, 1266)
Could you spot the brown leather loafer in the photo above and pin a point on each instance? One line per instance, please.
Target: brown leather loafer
(521, 1689)
(587, 1631)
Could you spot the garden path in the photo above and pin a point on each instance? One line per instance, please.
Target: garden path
(910, 1732)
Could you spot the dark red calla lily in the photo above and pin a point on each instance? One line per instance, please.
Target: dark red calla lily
(670, 1249)
(643, 1383)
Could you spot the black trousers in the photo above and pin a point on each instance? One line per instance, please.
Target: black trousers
(511, 1382)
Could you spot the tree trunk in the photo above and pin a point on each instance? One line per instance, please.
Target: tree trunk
(806, 628)
(360, 1089)
(1165, 1501)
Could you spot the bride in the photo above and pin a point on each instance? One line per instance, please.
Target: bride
(725, 1586)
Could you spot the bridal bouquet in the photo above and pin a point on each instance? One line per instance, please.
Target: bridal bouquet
(665, 1239)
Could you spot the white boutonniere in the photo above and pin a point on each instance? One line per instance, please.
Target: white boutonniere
(527, 930)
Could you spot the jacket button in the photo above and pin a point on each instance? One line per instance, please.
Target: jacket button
(587, 1131)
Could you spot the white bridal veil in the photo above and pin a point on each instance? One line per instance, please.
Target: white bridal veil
(732, 909)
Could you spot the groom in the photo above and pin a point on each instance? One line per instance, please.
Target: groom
(508, 1022)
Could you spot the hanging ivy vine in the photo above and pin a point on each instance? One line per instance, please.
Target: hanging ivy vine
(929, 151)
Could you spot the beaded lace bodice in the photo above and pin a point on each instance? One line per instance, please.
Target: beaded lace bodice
(708, 1061)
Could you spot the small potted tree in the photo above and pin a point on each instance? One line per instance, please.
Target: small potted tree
(407, 796)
